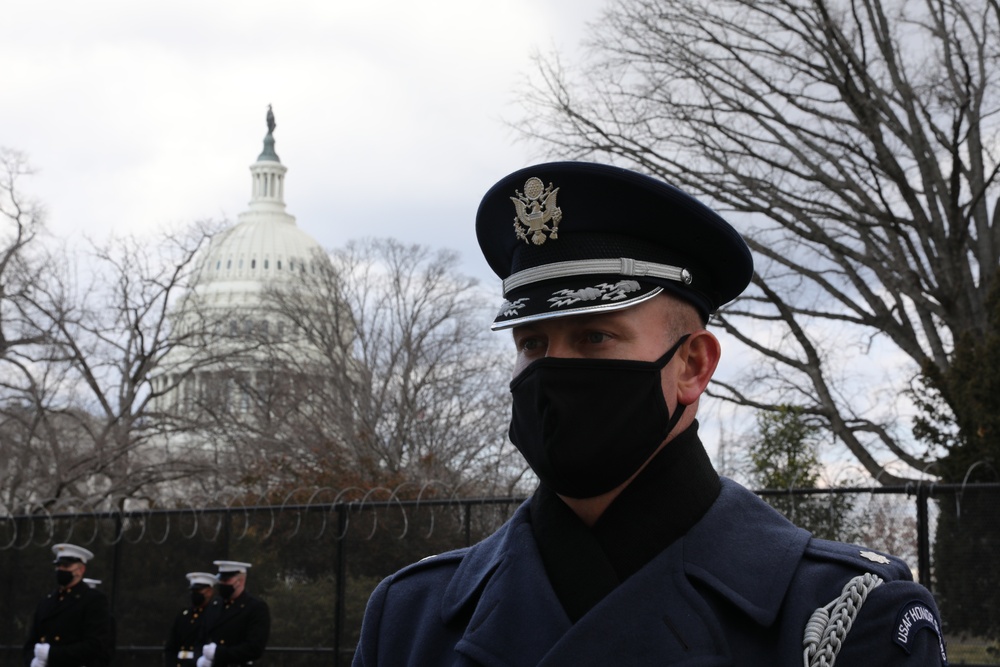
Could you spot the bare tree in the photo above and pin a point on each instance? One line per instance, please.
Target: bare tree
(77, 423)
(854, 142)
(385, 373)
(21, 220)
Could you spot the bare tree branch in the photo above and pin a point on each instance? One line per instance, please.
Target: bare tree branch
(853, 141)
(385, 372)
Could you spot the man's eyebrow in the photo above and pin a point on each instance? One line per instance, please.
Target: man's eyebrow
(582, 320)
(611, 317)
(530, 327)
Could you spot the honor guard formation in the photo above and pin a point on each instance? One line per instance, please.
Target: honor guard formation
(224, 626)
(632, 550)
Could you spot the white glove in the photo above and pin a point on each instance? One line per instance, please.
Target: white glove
(204, 662)
(38, 661)
(42, 653)
(208, 650)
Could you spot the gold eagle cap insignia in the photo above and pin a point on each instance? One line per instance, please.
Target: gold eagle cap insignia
(537, 217)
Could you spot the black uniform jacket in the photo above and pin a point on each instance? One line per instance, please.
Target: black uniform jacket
(186, 638)
(77, 626)
(239, 629)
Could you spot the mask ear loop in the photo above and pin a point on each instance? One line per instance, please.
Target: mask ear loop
(674, 418)
(669, 354)
(663, 361)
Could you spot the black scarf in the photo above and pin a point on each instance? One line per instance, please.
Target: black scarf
(660, 505)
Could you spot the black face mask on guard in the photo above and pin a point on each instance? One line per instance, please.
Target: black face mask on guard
(63, 578)
(587, 425)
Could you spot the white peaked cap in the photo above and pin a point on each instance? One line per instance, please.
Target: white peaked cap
(201, 578)
(71, 551)
(231, 566)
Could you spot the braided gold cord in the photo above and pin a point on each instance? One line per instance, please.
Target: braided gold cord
(828, 626)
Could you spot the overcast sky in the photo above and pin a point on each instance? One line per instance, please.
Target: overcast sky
(139, 116)
(390, 115)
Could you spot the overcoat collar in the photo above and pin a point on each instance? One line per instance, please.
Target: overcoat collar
(746, 551)
(742, 549)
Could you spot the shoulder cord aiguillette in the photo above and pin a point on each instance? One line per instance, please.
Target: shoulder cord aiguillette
(829, 625)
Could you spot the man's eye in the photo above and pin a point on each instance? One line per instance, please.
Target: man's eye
(595, 337)
(528, 344)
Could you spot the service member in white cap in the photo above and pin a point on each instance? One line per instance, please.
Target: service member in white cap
(236, 627)
(632, 551)
(183, 646)
(72, 626)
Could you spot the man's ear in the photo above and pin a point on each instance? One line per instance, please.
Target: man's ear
(700, 356)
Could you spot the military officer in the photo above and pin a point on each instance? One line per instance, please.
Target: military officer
(632, 550)
(236, 624)
(72, 626)
(183, 647)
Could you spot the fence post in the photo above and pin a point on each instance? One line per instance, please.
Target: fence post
(923, 537)
(226, 528)
(468, 523)
(116, 560)
(338, 613)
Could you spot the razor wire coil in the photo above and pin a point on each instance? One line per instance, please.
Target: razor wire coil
(302, 511)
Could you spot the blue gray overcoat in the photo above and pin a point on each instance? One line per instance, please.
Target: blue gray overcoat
(738, 589)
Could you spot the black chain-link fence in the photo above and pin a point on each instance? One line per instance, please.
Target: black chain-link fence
(316, 563)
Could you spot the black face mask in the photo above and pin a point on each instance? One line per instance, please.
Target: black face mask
(226, 590)
(63, 577)
(587, 425)
(197, 598)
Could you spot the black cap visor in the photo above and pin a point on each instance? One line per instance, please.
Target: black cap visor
(582, 295)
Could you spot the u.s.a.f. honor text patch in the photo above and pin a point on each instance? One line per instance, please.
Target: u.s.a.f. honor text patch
(911, 619)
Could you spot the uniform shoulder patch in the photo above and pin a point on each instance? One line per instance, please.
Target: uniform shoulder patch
(912, 618)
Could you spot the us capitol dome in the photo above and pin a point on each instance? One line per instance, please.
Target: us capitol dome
(230, 301)
(264, 248)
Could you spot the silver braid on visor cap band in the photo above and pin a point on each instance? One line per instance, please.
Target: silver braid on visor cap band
(622, 266)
